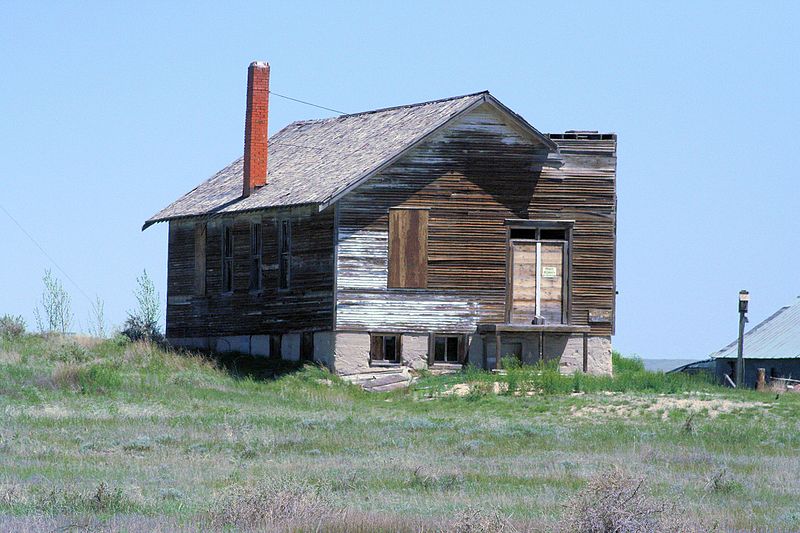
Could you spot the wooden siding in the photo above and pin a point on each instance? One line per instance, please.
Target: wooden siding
(473, 176)
(306, 306)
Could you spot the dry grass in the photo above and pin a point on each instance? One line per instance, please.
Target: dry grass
(615, 502)
(66, 376)
(273, 506)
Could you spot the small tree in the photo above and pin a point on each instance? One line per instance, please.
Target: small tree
(97, 321)
(56, 306)
(142, 323)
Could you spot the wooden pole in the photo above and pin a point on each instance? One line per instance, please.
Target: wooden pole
(743, 301)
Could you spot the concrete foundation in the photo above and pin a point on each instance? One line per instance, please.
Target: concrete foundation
(290, 346)
(348, 352)
(415, 351)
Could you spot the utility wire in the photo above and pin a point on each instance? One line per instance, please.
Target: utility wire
(308, 103)
(41, 249)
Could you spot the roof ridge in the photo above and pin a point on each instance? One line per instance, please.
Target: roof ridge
(390, 108)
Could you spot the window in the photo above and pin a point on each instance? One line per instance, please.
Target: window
(285, 253)
(200, 259)
(255, 256)
(227, 258)
(408, 248)
(385, 348)
(448, 349)
(538, 234)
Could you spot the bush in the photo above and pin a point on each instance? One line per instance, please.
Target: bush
(617, 502)
(12, 327)
(142, 323)
(272, 505)
(137, 329)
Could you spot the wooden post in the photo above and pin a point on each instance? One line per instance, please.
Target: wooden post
(744, 299)
(585, 352)
(497, 351)
(761, 384)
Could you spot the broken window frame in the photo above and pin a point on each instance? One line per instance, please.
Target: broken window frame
(378, 344)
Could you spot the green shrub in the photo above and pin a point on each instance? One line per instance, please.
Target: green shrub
(12, 326)
(622, 364)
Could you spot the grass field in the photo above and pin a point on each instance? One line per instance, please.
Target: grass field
(118, 436)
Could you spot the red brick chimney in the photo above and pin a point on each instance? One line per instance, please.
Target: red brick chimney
(255, 127)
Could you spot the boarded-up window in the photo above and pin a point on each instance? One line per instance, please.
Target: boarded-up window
(284, 253)
(227, 258)
(538, 273)
(408, 248)
(255, 256)
(200, 259)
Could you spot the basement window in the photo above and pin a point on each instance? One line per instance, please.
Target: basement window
(447, 349)
(227, 258)
(285, 253)
(256, 249)
(385, 348)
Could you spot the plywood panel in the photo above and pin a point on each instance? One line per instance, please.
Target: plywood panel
(551, 285)
(408, 248)
(523, 279)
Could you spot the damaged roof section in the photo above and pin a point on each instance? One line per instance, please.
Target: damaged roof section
(316, 161)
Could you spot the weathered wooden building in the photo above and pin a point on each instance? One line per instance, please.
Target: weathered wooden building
(773, 344)
(424, 234)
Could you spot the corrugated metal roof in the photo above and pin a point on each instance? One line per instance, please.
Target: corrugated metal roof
(777, 337)
(313, 161)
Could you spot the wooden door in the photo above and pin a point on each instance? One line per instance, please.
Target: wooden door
(536, 282)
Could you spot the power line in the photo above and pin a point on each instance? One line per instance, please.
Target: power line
(308, 103)
(41, 249)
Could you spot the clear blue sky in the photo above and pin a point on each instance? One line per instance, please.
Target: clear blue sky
(109, 111)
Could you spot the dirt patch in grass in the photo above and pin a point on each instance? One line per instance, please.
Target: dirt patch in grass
(636, 405)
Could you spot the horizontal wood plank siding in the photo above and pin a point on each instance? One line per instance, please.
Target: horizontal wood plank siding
(473, 176)
(306, 306)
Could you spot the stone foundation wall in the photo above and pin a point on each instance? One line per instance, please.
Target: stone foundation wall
(348, 353)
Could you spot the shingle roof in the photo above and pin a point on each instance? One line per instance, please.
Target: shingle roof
(777, 337)
(311, 162)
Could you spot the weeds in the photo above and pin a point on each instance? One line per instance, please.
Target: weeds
(616, 502)
(721, 483)
(273, 504)
(472, 520)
